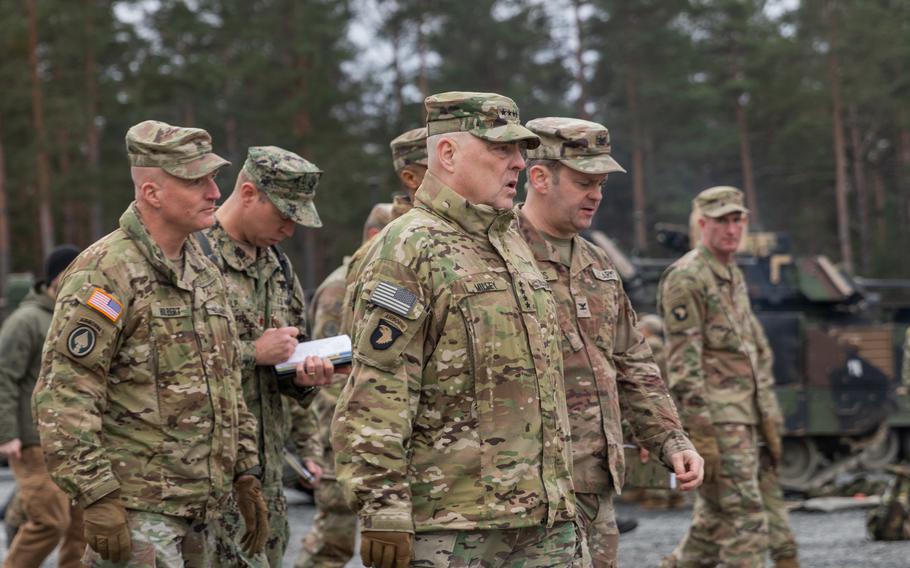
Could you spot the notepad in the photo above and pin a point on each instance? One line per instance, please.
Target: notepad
(337, 349)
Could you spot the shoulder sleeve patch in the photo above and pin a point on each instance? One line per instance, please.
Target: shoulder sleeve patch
(396, 299)
(105, 304)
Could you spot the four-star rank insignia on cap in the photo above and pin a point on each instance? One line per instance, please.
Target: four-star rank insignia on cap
(384, 335)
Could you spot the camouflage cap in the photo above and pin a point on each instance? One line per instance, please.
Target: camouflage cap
(718, 201)
(185, 153)
(410, 148)
(486, 115)
(288, 180)
(578, 144)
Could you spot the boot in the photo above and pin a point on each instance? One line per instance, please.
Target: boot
(787, 562)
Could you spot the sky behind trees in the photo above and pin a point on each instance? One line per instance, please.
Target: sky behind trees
(802, 104)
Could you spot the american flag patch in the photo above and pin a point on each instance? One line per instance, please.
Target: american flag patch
(106, 304)
(393, 298)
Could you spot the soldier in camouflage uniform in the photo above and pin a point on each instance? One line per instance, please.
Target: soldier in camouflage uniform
(330, 543)
(610, 374)
(453, 424)
(719, 367)
(273, 192)
(139, 403)
(49, 516)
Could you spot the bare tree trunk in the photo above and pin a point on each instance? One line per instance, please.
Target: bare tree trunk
(423, 82)
(46, 229)
(581, 105)
(745, 157)
(840, 151)
(859, 183)
(92, 129)
(638, 181)
(70, 199)
(878, 194)
(5, 261)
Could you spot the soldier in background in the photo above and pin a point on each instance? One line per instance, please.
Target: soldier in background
(453, 424)
(719, 369)
(139, 403)
(330, 543)
(274, 191)
(610, 374)
(50, 518)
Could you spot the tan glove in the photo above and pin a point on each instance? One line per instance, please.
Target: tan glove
(385, 549)
(255, 513)
(106, 529)
(772, 439)
(707, 448)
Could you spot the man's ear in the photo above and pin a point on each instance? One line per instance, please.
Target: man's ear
(446, 152)
(539, 177)
(248, 193)
(409, 178)
(151, 193)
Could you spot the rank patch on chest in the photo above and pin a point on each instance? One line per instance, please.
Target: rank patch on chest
(384, 335)
(582, 308)
(606, 275)
(680, 312)
(106, 304)
(393, 298)
(81, 341)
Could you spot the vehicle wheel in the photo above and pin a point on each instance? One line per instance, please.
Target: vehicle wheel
(799, 463)
(875, 458)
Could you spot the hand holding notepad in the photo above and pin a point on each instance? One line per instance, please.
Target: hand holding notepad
(337, 349)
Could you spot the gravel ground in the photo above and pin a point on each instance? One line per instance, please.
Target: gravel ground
(833, 540)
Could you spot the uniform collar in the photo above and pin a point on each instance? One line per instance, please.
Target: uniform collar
(474, 219)
(235, 256)
(544, 251)
(194, 266)
(721, 270)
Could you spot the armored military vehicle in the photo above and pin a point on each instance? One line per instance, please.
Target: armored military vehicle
(837, 349)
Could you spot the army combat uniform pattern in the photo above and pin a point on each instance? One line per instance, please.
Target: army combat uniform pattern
(719, 370)
(454, 417)
(140, 384)
(610, 374)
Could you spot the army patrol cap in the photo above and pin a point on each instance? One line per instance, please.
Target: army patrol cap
(581, 145)
(288, 180)
(185, 153)
(718, 201)
(486, 115)
(410, 148)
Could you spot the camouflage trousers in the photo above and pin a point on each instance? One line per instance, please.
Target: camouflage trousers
(230, 528)
(729, 525)
(161, 541)
(330, 543)
(597, 524)
(529, 547)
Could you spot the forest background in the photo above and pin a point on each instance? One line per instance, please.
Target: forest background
(802, 103)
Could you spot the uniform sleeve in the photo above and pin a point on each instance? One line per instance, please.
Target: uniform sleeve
(373, 419)
(681, 305)
(298, 319)
(764, 373)
(248, 443)
(71, 394)
(18, 343)
(643, 396)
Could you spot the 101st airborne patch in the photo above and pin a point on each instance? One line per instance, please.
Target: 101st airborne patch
(680, 312)
(384, 335)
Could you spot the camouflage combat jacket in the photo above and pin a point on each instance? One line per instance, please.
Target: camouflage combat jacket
(715, 372)
(140, 383)
(610, 373)
(21, 340)
(262, 297)
(454, 417)
(326, 309)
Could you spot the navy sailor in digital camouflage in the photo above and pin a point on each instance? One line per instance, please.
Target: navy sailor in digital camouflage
(273, 193)
(139, 403)
(452, 434)
(610, 373)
